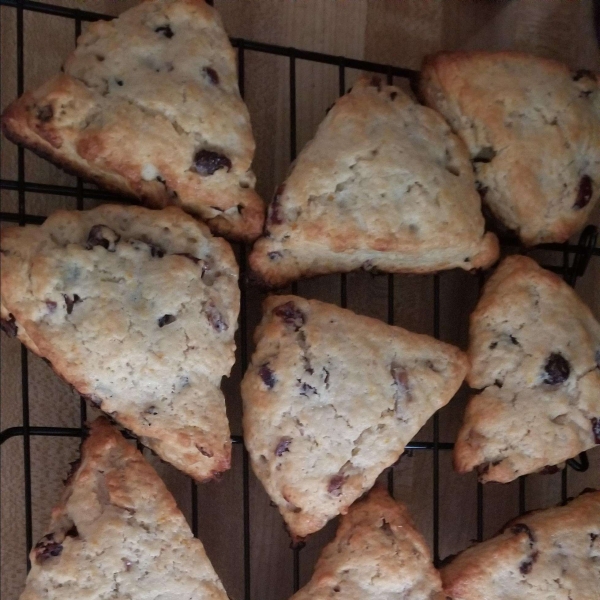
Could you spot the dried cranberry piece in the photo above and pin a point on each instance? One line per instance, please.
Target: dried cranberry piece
(401, 391)
(485, 155)
(549, 470)
(166, 320)
(194, 259)
(72, 532)
(51, 305)
(101, 235)
(583, 73)
(204, 451)
(155, 250)
(527, 565)
(9, 326)
(375, 82)
(212, 75)
(283, 446)
(46, 548)
(207, 162)
(557, 369)
(484, 468)
(290, 314)
(596, 429)
(386, 528)
(307, 390)
(335, 484)
(267, 375)
(165, 30)
(584, 194)
(215, 318)
(45, 113)
(71, 302)
(275, 217)
(522, 528)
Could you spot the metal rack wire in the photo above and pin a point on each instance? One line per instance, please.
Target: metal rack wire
(575, 258)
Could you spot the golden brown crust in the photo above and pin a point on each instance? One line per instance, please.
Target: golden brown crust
(532, 127)
(148, 107)
(552, 553)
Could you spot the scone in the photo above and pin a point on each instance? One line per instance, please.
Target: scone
(384, 185)
(535, 357)
(331, 399)
(551, 554)
(532, 127)
(377, 554)
(137, 309)
(117, 533)
(148, 106)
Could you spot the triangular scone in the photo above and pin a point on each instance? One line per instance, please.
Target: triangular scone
(533, 131)
(377, 554)
(331, 399)
(551, 554)
(384, 185)
(137, 309)
(117, 533)
(148, 106)
(535, 353)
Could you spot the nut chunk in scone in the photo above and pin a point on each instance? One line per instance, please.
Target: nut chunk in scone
(331, 399)
(148, 105)
(377, 554)
(535, 354)
(384, 185)
(137, 310)
(117, 533)
(551, 554)
(532, 127)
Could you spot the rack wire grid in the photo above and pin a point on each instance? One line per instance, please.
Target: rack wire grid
(575, 259)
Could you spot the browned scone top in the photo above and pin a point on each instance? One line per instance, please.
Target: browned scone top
(535, 354)
(148, 106)
(331, 399)
(377, 554)
(532, 127)
(117, 533)
(137, 309)
(384, 185)
(551, 554)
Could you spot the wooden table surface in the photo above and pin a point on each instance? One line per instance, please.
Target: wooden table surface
(398, 32)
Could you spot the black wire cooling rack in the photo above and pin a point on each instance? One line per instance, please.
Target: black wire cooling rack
(574, 260)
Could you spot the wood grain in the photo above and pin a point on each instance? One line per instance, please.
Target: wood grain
(387, 31)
